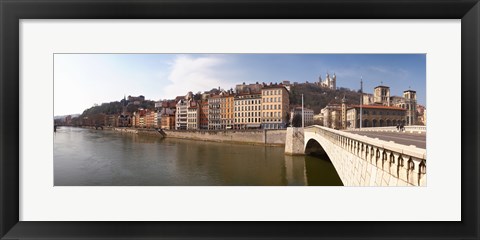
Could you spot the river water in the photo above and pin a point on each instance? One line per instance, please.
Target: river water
(88, 157)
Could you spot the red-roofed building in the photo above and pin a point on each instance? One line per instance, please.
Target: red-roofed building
(374, 116)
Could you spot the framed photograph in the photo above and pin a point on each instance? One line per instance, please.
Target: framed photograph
(239, 119)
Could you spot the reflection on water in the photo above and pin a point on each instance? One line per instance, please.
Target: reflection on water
(86, 157)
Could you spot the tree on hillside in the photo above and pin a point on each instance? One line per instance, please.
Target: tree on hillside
(318, 97)
(287, 119)
(297, 120)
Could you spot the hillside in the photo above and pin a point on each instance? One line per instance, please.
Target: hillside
(316, 97)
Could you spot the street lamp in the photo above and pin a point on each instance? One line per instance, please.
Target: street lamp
(303, 115)
(361, 100)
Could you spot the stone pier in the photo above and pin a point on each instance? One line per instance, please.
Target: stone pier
(294, 141)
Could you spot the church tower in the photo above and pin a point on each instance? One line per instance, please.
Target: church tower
(381, 95)
(333, 82)
(411, 106)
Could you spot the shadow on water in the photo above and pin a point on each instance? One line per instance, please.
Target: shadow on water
(320, 171)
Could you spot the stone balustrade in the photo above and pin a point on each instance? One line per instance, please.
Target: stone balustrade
(365, 161)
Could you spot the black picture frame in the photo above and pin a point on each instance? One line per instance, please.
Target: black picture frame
(12, 11)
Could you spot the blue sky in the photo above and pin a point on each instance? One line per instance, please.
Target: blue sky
(82, 80)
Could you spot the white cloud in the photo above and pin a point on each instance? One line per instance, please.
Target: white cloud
(197, 74)
(380, 69)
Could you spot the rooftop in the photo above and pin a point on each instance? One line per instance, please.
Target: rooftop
(376, 107)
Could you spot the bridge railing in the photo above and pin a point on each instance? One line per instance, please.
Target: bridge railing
(407, 163)
(411, 129)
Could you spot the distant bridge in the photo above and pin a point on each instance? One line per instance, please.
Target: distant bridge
(361, 160)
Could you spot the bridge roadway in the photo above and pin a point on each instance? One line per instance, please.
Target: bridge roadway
(415, 139)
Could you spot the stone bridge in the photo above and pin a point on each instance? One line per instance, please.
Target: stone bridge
(360, 160)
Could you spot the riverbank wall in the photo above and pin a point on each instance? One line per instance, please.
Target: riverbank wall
(271, 137)
(146, 131)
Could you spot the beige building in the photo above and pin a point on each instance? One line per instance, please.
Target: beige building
(410, 97)
(193, 116)
(308, 113)
(247, 110)
(408, 101)
(381, 95)
(275, 106)
(331, 114)
(167, 122)
(374, 116)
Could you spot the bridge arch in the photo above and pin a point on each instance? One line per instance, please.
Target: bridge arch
(313, 147)
(329, 171)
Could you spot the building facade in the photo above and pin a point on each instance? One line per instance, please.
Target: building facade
(331, 114)
(308, 113)
(226, 110)
(214, 114)
(275, 107)
(374, 116)
(193, 116)
(381, 95)
(181, 114)
(410, 97)
(247, 110)
(167, 121)
(204, 113)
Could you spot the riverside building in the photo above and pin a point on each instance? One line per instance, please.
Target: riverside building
(181, 114)
(379, 109)
(214, 115)
(193, 116)
(275, 106)
(247, 110)
(226, 110)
